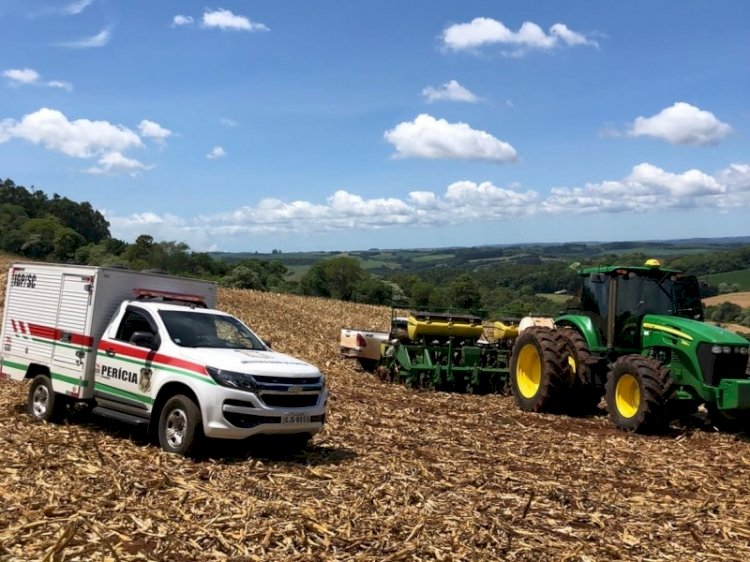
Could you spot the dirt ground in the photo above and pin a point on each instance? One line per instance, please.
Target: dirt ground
(397, 474)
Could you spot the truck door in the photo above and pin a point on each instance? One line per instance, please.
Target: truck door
(71, 343)
(123, 367)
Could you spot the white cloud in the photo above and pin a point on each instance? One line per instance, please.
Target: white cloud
(216, 152)
(228, 122)
(153, 130)
(450, 91)
(116, 163)
(682, 123)
(75, 8)
(427, 137)
(570, 37)
(81, 138)
(29, 76)
(226, 20)
(647, 188)
(98, 40)
(481, 32)
(67, 86)
(179, 20)
(19, 76)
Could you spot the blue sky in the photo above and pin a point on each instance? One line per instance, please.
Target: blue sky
(300, 125)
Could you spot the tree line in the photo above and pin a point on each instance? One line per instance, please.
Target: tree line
(58, 229)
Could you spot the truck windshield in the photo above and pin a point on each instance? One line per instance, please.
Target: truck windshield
(200, 329)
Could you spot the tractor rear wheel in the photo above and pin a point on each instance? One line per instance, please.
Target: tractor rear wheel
(584, 395)
(539, 369)
(637, 392)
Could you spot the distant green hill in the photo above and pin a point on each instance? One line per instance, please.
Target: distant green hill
(741, 277)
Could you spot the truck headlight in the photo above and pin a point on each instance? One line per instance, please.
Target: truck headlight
(231, 379)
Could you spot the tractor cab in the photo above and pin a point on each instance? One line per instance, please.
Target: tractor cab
(616, 298)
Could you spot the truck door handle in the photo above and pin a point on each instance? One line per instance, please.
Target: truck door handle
(110, 352)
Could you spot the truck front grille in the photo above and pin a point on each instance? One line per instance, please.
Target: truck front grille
(290, 400)
(262, 379)
(719, 366)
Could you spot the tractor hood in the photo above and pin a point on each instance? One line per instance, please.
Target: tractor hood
(690, 330)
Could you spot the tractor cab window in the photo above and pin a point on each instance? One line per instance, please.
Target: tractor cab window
(595, 301)
(687, 296)
(638, 295)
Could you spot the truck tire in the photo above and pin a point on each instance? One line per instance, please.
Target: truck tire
(180, 425)
(638, 391)
(539, 369)
(584, 396)
(368, 365)
(43, 403)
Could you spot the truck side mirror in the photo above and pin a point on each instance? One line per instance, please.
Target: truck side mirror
(144, 339)
(267, 343)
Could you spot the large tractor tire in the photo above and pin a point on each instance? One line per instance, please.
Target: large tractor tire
(638, 391)
(584, 395)
(539, 370)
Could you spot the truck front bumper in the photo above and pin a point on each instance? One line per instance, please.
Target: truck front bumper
(237, 415)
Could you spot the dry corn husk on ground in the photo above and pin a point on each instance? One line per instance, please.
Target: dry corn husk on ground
(396, 475)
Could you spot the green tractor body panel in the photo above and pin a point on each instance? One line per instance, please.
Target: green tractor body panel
(709, 361)
(585, 326)
(658, 313)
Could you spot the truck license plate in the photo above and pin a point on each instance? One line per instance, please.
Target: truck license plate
(295, 418)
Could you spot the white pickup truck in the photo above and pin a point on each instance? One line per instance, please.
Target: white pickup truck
(147, 349)
(364, 345)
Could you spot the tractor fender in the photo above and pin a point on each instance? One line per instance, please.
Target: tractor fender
(584, 326)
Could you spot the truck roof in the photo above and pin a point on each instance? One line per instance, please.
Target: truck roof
(162, 305)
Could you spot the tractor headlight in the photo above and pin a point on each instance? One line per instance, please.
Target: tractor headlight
(231, 379)
(726, 349)
(716, 349)
(742, 350)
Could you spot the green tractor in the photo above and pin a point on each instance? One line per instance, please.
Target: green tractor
(634, 335)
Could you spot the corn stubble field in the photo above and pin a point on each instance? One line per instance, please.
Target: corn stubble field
(396, 475)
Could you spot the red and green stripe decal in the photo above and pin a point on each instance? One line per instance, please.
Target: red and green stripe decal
(55, 376)
(139, 356)
(50, 335)
(124, 353)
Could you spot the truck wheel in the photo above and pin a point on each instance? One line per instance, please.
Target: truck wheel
(538, 369)
(179, 425)
(584, 396)
(637, 392)
(43, 404)
(368, 365)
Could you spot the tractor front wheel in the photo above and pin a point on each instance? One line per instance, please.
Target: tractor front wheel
(638, 389)
(538, 369)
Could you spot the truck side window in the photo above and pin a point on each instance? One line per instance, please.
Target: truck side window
(134, 321)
